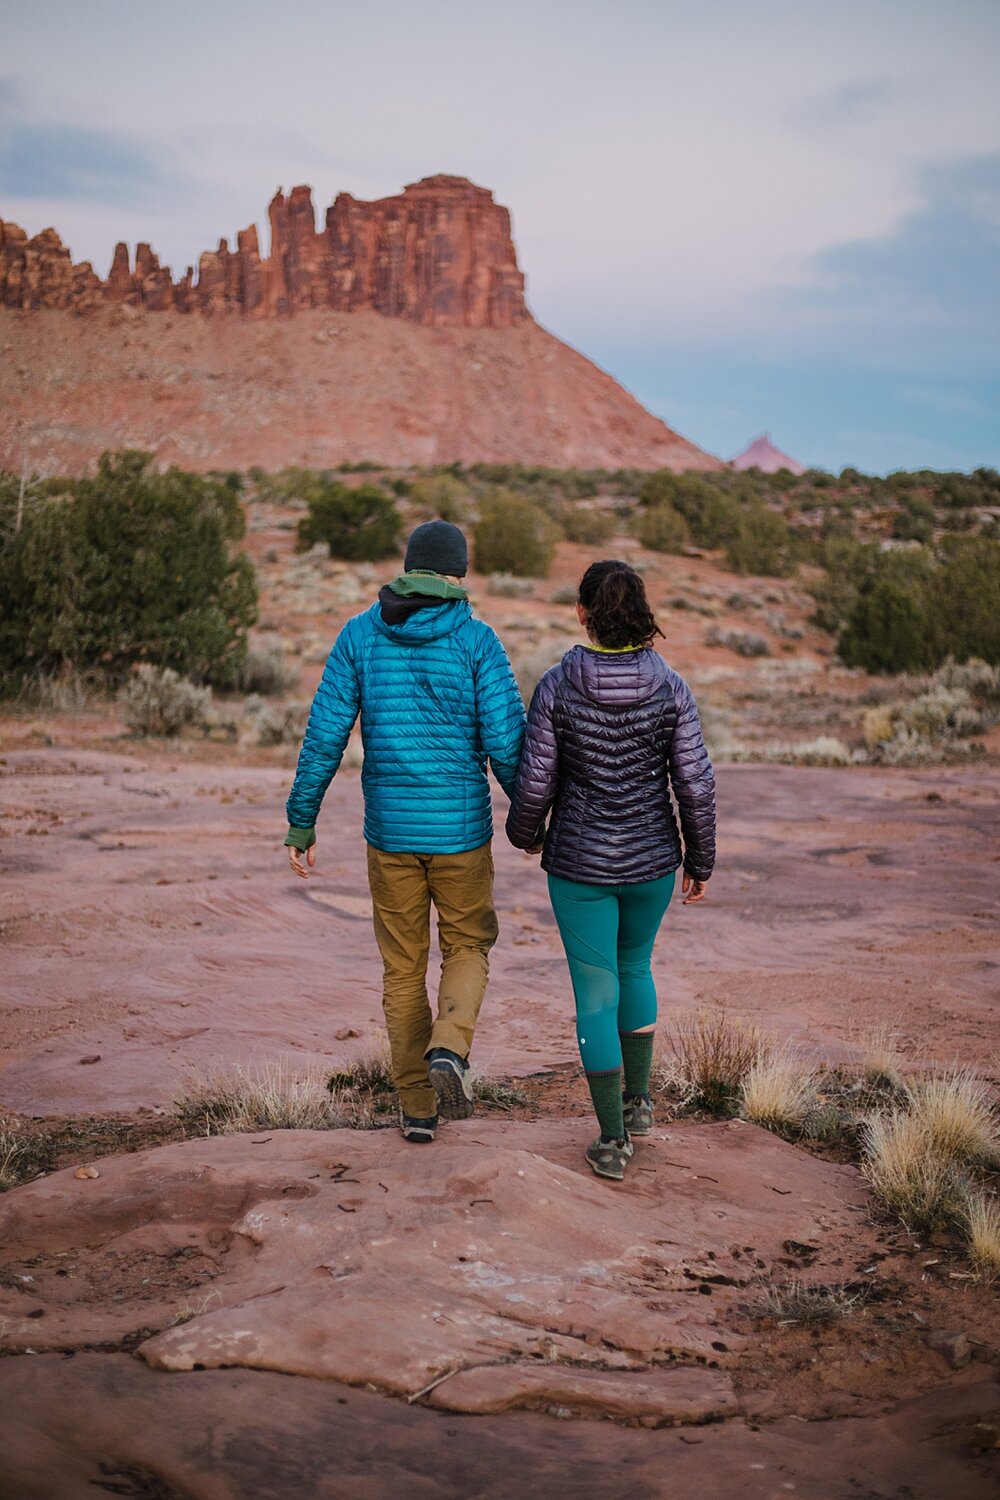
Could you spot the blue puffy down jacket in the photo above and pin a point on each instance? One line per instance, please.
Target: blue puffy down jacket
(437, 699)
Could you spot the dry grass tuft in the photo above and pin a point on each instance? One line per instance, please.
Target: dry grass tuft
(881, 1064)
(779, 1091)
(23, 1154)
(982, 1227)
(958, 1112)
(713, 1052)
(499, 1092)
(795, 1302)
(369, 1073)
(270, 1096)
(910, 1174)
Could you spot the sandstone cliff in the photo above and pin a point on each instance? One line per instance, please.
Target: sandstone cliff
(398, 332)
(440, 253)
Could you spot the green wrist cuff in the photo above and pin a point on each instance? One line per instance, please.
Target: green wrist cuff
(301, 838)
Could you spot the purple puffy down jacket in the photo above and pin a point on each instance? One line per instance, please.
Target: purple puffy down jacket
(608, 736)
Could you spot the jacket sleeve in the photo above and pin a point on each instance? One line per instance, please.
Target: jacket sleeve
(499, 710)
(693, 781)
(331, 719)
(538, 773)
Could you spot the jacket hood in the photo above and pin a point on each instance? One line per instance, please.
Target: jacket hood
(431, 620)
(615, 679)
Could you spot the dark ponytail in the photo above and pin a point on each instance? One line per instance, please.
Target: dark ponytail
(618, 612)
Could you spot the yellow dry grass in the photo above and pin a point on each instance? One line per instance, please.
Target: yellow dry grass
(982, 1227)
(911, 1176)
(881, 1062)
(778, 1090)
(958, 1113)
(271, 1095)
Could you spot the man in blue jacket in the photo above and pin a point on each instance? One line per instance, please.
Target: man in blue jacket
(437, 700)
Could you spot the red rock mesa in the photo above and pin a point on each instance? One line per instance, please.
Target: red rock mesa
(397, 332)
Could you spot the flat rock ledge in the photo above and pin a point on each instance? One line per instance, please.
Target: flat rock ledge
(481, 1274)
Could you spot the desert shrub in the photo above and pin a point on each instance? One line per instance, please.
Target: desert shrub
(157, 701)
(762, 542)
(591, 528)
(132, 566)
(743, 642)
(963, 600)
(531, 668)
(940, 713)
(567, 594)
(836, 588)
(824, 750)
(282, 725)
(918, 1183)
(975, 677)
(440, 496)
(886, 630)
(360, 525)
(712, 515)
(661, 528)
(264, 670)
(506, 586)
(915, 522)
(513, 535)
(713, 1054)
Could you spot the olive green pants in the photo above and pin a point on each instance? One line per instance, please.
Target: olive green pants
(461, 888)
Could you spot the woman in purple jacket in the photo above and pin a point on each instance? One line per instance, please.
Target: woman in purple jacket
(611, 730)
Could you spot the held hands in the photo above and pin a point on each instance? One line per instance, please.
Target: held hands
(295, 857)
(693, 890)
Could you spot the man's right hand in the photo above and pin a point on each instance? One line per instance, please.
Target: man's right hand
(295, 860)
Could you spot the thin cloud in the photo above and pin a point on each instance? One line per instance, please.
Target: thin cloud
(65, 162)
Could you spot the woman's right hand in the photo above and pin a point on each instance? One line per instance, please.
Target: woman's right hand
(693, 890)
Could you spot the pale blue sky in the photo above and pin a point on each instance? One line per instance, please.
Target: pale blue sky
(780, 215)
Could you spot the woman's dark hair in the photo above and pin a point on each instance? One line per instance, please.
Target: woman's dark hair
(618, 612)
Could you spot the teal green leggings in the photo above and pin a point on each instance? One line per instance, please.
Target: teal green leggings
(608, 932)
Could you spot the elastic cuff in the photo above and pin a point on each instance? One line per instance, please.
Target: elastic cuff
(301, 839)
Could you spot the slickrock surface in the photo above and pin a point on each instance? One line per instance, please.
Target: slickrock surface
(149, 918)
(398, 332)
(78, 1428)
(347, 1255)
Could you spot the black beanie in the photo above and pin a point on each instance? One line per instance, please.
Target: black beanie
(437, 547)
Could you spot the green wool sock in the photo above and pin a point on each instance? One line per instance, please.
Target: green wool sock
(637, 1058)
(606, 1092)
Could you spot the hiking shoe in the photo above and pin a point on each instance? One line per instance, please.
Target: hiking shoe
(638, 1114)
(608, 1158)
(449, 1076)
(419, 1130)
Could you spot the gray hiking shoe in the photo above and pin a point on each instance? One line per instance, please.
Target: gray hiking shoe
(638, 1115)
(449, 1076)
(608, 1158)
(419, 1130)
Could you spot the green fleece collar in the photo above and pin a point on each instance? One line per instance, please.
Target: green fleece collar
(431, 585)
